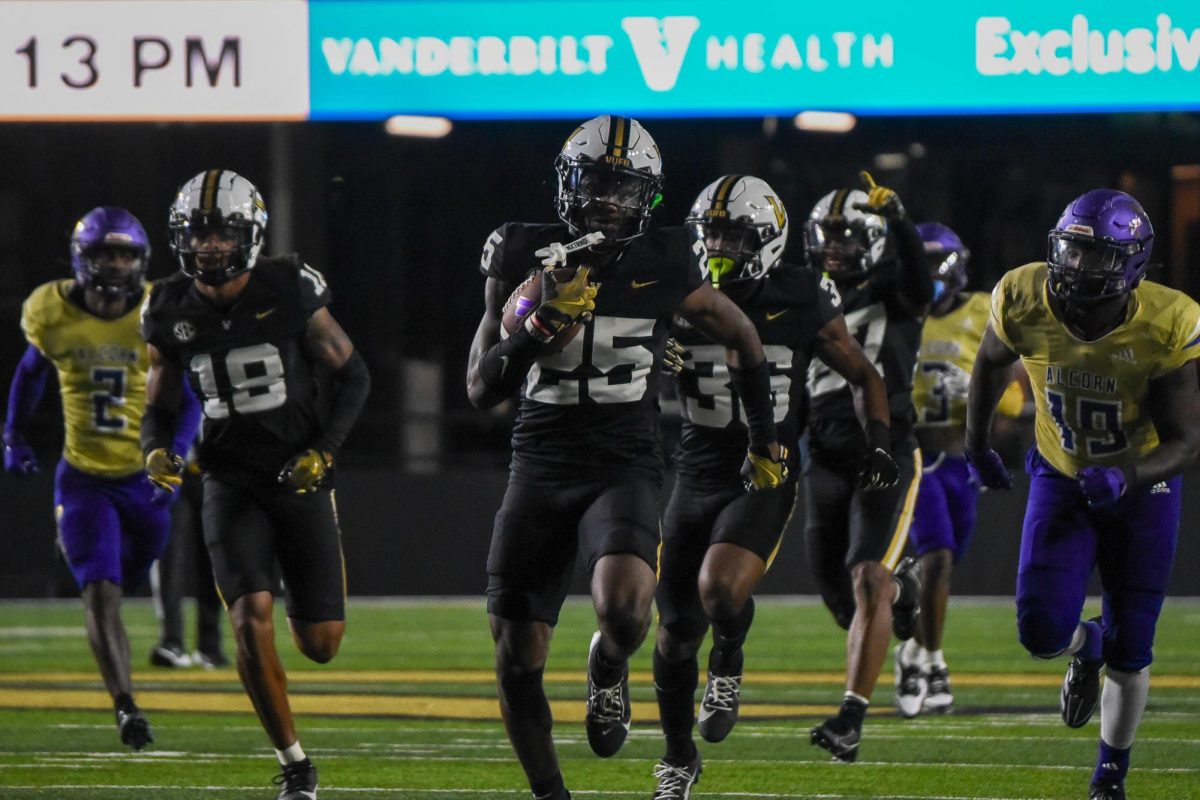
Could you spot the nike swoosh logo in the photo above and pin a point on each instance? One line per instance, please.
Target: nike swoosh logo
(776, 314)
(705, 713)
(641, 284)
(264, 314)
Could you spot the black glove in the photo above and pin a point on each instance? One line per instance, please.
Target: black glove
(877, 470)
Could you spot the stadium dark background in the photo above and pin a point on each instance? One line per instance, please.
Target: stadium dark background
(397, 225)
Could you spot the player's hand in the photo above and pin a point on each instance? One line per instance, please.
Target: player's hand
(674, 357)
(305, 471)
(563, 304)
(19, 458)
(1102, 486)
(877, 470)
(881, 200)
(552, 255)
(987, 468)
(765, 469)
(164, 469)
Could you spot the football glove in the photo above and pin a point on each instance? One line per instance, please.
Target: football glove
(564, 304)
(673, 358)
(877, 470)
(1102, 486)
(305, 471)
(164, 469)
(987, 469)
(19, 458)
(881, 200)
(760, 471)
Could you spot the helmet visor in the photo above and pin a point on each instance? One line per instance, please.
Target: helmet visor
(1086, 267)
(214, 246)
(842, 244)
(732, 249)
(114, 270)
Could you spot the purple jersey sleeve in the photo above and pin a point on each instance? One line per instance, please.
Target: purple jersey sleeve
(28, 386)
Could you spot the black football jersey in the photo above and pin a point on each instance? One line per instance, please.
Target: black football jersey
(891, 337)
(246, 364)
(788, 310)
(594, 404)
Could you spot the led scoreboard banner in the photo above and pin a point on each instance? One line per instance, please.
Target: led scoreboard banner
(497, 59)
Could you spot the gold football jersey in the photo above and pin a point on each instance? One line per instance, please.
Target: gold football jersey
(1091, 397)
(101, 368)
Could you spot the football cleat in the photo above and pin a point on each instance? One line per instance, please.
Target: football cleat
(719, 706)
(839, 737)
(1107, 790)
(911, 686)
(171, 655)
(210, 660)
(298, 781)
(133, 728)
(1080, 691)
(608, 708)
(938, 697)
(675, 783)
(905, 607)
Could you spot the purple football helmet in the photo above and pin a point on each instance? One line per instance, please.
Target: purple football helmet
(108, 228)
(948, 258)
(1100, 247)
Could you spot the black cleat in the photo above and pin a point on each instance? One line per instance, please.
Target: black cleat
(608, 708)
(299, 781)
(170, 655)
(675, 783)
(1107, 790)
(214, 659)
(906, 605)
(839, 737)
(1080, 691)
(133, 728)
(719, 706)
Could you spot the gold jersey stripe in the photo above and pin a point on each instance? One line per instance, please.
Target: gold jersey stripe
(900, 535)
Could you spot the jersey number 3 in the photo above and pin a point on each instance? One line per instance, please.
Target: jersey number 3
(244, 380)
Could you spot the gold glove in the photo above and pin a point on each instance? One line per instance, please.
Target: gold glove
(305, 471)
(164, 469)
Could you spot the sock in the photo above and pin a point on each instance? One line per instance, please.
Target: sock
(124, 702)
(675, 686)
(911, 653)
(1122, 701)
(290, 754)
(1087, 642)
(935, 659)
(1111, 764)
(549, 789)
(854, 708)
(603, 673)
(729, 635)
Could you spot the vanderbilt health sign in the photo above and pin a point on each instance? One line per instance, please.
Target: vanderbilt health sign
(368, 59)
(563, 58)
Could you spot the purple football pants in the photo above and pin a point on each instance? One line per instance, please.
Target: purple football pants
(944, 518)
(109, 529)
(1132, 543)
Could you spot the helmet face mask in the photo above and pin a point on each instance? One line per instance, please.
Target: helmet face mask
(842, 240)
(609, 179)
(217, 226)
(1100, 248)
(742, 226)
(109, 252)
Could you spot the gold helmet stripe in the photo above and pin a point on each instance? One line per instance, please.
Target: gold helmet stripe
(618, 135)
(721, 196)
(208, 197)
(837, 208)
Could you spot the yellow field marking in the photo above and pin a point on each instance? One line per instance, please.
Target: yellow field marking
(487, 677)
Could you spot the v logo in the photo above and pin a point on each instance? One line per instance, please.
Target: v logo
(660, 46)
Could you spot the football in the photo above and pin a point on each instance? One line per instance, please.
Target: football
(526, 297)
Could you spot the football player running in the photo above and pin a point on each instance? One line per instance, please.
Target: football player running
(250, 333)
(856, 530)
(1109, 358)
(587, 470)
(944, 519)
(718, 539)
(112, 524)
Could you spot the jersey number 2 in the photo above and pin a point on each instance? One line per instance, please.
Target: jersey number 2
(113, 394)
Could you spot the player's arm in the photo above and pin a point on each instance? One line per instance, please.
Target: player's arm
(160, 422)
(496, 368)
(715, 315)
(24, 395)
(989, 379)
(914, 285)
(1174, 407)
(326, 343)
(842, 353)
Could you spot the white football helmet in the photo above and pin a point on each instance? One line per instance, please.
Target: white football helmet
(217, 225)
(843, 240)
(609, 178)
(744, 228)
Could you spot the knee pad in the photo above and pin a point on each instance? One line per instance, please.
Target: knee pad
(1044, 635)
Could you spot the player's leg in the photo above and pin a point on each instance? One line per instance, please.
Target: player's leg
(827, 493)
(89, 532)
(746, 537)
(196, 563)
(167, 581)
(530, 564)
(618, 538)
(879, 524)
(1136, 551)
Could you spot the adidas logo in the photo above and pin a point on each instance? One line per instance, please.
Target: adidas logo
(1160, 488)
(1124, 355)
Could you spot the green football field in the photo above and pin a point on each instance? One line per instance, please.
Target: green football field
(408, 710)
